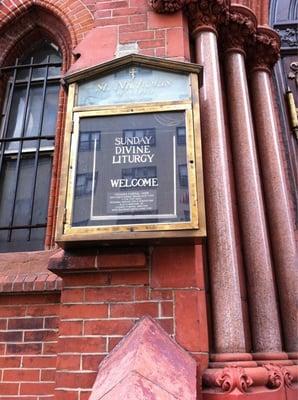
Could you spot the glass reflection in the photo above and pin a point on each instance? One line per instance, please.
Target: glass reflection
(16, 118)
(24, 190)
(50, 111)
(17, 127)
(131, 169)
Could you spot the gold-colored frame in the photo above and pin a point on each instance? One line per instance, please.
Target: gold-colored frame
(66, 234)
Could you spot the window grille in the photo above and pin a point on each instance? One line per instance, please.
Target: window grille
(27, 134)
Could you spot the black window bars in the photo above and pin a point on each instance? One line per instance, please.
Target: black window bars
(27, 133)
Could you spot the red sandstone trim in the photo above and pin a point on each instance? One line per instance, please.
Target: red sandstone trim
(63, 10)
(26, 272)
(30, 282)
(260, 8)
(56, 172)
(19, 35)
(271, 376)
(93, 260)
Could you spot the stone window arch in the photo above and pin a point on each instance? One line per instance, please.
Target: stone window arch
(32, 30)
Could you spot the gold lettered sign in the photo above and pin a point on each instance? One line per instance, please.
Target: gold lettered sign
(134, 84)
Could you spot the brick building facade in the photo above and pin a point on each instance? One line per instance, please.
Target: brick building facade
(229, 299)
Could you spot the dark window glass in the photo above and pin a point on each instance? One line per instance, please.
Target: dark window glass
(87, 140)
(181, 136)
(28, 124)
(141, 133)
(122, 178)
(139, 172)
(84, 184)
(183, 178)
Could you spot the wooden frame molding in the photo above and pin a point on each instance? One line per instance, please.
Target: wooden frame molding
(68, 234)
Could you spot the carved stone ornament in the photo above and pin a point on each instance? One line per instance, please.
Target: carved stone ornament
(233, 378)
(202, 13)
(278, 376)
(240, 28)
(275, 376)
(265, 50)
(288, 36)
(169, 6)
(288, 378)
(293, 73)
(207, 14)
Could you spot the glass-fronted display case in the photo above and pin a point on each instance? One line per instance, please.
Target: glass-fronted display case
(132, 166)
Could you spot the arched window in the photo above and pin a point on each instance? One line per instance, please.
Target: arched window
(27, 135)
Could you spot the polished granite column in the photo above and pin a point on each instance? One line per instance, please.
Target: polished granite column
(223, 255)
(263, 306)
(280, 221)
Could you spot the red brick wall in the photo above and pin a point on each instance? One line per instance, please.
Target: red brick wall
(163, 36)
(53, 338)
(28, 345)
(155, 35)
(99, 308)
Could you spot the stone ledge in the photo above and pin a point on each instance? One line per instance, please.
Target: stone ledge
(27, 272)
(30, 282)
(84, 260)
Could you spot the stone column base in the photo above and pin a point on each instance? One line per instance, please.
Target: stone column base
(265, 394)
(267, 382)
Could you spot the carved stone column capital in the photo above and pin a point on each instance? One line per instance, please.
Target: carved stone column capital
(168, 6)
(202, 14)
(240, 28)
(265, 50)
(207, 14)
